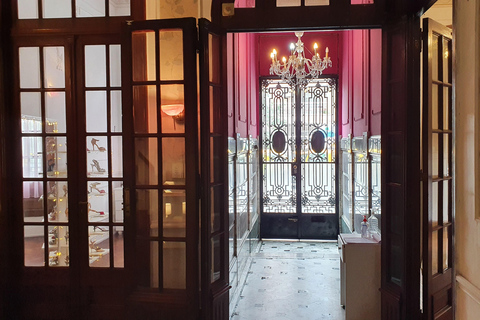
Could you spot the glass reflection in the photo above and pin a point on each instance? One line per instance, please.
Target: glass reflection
(99, 247)
(33, 201)
(95, 66)
(171, 54)
(58, 246)
(146, 160)
(118, 247)
(96, 109)
(32, 157)
(55, 108)
(29, 67)
(117, 157)
(33, 246)
(27, 9)
(57, 9)
(173, 161)
(97, 156)
(147, 213)
(98, 201)
(174, 213)
(116, 111)
(56, 157)
(174, 265)
(117, 201)
(57, 201)
(54, 67)
(89, 8)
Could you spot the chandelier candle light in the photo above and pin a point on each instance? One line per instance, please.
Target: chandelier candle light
(298, 69)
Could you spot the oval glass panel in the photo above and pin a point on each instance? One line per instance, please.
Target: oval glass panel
(279, 142)
(318, 141)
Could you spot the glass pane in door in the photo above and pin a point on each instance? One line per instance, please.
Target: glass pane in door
(104, 153)
(43, 108)
(318, 128)
(278, 138)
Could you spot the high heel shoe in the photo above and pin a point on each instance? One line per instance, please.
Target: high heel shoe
(95, 248)
(93, 186)
(94, 144)
(91, 210)
(96, 165)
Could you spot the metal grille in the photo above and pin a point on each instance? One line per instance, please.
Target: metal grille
(278, 145)
(316, 125)
(318, 128)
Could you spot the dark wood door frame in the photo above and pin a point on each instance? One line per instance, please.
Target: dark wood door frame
(400, 23)
(438, 219)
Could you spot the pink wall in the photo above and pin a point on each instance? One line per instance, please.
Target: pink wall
(242, 85)
(356, 57)
(281, 42)
(361, 82)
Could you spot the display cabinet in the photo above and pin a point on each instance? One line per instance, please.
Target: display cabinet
(360, 275)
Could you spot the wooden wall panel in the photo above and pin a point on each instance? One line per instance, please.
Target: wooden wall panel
(358, 80)
(375, 81)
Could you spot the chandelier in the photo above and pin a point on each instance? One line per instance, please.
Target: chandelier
(298, 69)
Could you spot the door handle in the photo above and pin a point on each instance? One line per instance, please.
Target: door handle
(293, 219)
(294, 170)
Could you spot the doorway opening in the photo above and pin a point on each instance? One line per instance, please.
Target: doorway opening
(304, 162)
(299, 147)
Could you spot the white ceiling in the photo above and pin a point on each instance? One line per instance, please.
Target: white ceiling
(441, 12)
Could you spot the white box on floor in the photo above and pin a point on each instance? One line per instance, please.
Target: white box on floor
(360, 275)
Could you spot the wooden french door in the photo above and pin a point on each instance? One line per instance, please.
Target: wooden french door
(437, 166)
(180, 169)
(214, 177)
(68, 102)
(299, 163)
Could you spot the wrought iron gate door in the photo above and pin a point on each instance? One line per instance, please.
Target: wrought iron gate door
(299, 133)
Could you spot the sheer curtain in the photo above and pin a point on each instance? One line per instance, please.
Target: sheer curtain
(32, 157)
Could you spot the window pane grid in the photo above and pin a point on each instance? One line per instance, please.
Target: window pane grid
(45, 188)
(161, 186)
(104, 156)
(54, 9)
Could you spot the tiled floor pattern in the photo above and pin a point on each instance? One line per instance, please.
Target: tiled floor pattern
(292, 280)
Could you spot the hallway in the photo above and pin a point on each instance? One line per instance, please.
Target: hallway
(292, 280)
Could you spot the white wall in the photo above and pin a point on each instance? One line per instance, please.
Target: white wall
(467, 134)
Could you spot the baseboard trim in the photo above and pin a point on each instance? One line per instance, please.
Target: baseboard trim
(469, 288)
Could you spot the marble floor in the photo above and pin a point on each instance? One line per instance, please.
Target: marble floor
(292, 280)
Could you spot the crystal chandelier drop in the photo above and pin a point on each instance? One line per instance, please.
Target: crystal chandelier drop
(298, 69)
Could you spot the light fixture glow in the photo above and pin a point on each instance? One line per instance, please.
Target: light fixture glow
(298, 69)
(173, 109)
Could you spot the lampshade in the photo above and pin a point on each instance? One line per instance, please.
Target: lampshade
(173, 109)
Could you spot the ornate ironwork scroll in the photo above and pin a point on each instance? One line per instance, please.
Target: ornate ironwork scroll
(318, 142)
(278, 145)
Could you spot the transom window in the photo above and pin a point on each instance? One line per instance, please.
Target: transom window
(53, 9)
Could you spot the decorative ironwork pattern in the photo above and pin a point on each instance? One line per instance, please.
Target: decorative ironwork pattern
(375, 149)
(318, 142)
(278, 146)
(242, 189)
